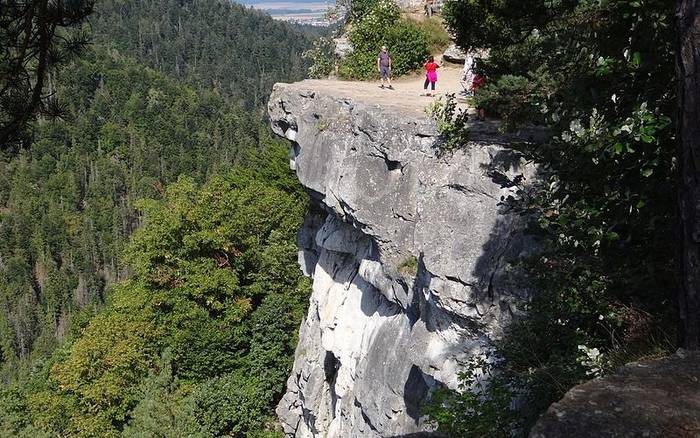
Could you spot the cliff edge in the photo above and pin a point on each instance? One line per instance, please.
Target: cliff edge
(412, 259)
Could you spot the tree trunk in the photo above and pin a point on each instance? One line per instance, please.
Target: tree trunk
(688, 73)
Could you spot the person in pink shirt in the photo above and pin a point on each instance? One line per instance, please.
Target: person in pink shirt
(430, 76)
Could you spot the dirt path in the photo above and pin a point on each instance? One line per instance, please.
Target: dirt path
(406, 95)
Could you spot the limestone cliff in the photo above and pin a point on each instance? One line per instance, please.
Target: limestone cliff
(411, 256)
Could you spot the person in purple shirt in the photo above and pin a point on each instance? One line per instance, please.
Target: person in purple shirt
(384, 67)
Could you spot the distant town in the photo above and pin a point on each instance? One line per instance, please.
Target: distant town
(302, 12)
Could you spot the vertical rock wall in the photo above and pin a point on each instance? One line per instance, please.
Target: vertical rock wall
(412, 259)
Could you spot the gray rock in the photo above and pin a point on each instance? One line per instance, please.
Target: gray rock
(454, 54)
(411, 5)
(379, 336)
(343, 47)
(647, 399)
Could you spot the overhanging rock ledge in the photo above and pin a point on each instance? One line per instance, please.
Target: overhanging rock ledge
(413, 261)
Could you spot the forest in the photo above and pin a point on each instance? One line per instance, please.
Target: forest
(156, 134)
(214, 45)
(148, 266)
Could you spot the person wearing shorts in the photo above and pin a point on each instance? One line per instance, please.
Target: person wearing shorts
(384, 67)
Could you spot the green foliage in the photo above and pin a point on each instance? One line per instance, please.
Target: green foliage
(16, 415)
(451, 123)
(409, 46)
(67, 204)
(597, 74)
(199, 342)
(434, 28)
(93, 347)
(513, 98)
(229, 405)
(409, 266)
(37, 39)
(481, 408)
(322, 57)
(383, 25)
(163, 410)
(113, 354)
(216, 45)
(360, 8)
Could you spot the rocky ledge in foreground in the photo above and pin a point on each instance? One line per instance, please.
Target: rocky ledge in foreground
(412, 259)
(656, 399)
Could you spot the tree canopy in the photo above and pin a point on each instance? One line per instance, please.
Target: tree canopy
(217, 45)
(37, 38)
(102, 337)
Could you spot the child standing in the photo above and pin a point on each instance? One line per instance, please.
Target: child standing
(430, 75)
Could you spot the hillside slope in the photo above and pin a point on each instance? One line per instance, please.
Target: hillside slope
(218, 45)
(99, 337)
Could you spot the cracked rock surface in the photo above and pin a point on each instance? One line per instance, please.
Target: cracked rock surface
(656, 399)
(413, 262)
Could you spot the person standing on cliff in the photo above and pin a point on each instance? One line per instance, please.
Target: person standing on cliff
(384, 67)
(430, 75)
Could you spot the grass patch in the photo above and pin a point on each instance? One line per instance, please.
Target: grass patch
(322, 125)
(409, 266)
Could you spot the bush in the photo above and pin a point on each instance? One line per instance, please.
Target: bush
(481, 408)
(323, 58)
(408, 46)
(409, 266)
(230, 405)
(451, 122)
(360, 8)
(382, 25)
(512, 98)
(434, 29)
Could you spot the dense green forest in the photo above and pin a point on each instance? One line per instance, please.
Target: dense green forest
(220, 46)
(106, 332)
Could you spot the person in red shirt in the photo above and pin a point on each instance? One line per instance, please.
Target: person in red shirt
(430, 75)
(478, 82)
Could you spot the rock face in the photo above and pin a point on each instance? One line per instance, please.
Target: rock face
(411, 5)
(454, 54)
(411, 257)
(648, 399)
(343, 47)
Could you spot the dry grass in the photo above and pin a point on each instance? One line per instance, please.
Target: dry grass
(439, 39)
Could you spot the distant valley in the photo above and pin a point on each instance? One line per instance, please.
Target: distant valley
(303, 11)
